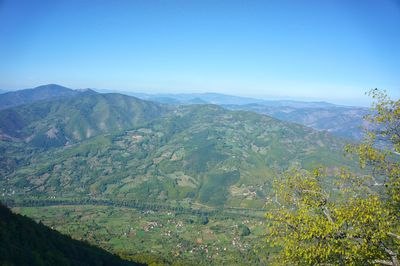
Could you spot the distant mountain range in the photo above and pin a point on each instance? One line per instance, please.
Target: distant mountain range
(25, 242)
(218, 98)
(343, 121)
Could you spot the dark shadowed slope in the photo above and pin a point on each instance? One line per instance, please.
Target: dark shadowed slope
(24, 242)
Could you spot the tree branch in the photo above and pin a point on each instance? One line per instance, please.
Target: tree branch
(393, 255)
(394, 235)
(327, 214)
(383, 262)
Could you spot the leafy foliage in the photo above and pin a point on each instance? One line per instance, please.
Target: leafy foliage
(355, 223)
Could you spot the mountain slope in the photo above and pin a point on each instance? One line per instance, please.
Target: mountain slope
(197, 153)
(65, 121)
(45, 92)
(338, 120)
(24, 242)
(341, 121)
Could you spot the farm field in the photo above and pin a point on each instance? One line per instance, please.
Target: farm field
(163, 236)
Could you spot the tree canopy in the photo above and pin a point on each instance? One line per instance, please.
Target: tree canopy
(340, 216)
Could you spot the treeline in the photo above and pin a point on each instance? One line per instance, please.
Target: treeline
(135, 204)
(25, 242)
(105, 202)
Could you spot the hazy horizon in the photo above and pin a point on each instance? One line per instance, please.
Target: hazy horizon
(330, 51)
(365, 102)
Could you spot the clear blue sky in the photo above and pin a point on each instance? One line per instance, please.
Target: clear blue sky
(316, 50)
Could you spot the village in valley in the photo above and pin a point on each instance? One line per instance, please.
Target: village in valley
(163, 235)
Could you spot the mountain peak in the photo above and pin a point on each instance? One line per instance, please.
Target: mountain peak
(40, 93)
(49, 87)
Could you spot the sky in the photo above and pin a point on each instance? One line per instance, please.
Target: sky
(306, 50)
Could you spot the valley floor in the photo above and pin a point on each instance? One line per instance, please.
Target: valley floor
(170, 237)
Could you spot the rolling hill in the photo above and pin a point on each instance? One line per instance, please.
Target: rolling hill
(65, 121)
(116, 146)
(343, 121)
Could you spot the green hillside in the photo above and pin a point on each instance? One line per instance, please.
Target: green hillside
(343, 121)
(65, 121)
(25, 242)
(198, 154)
